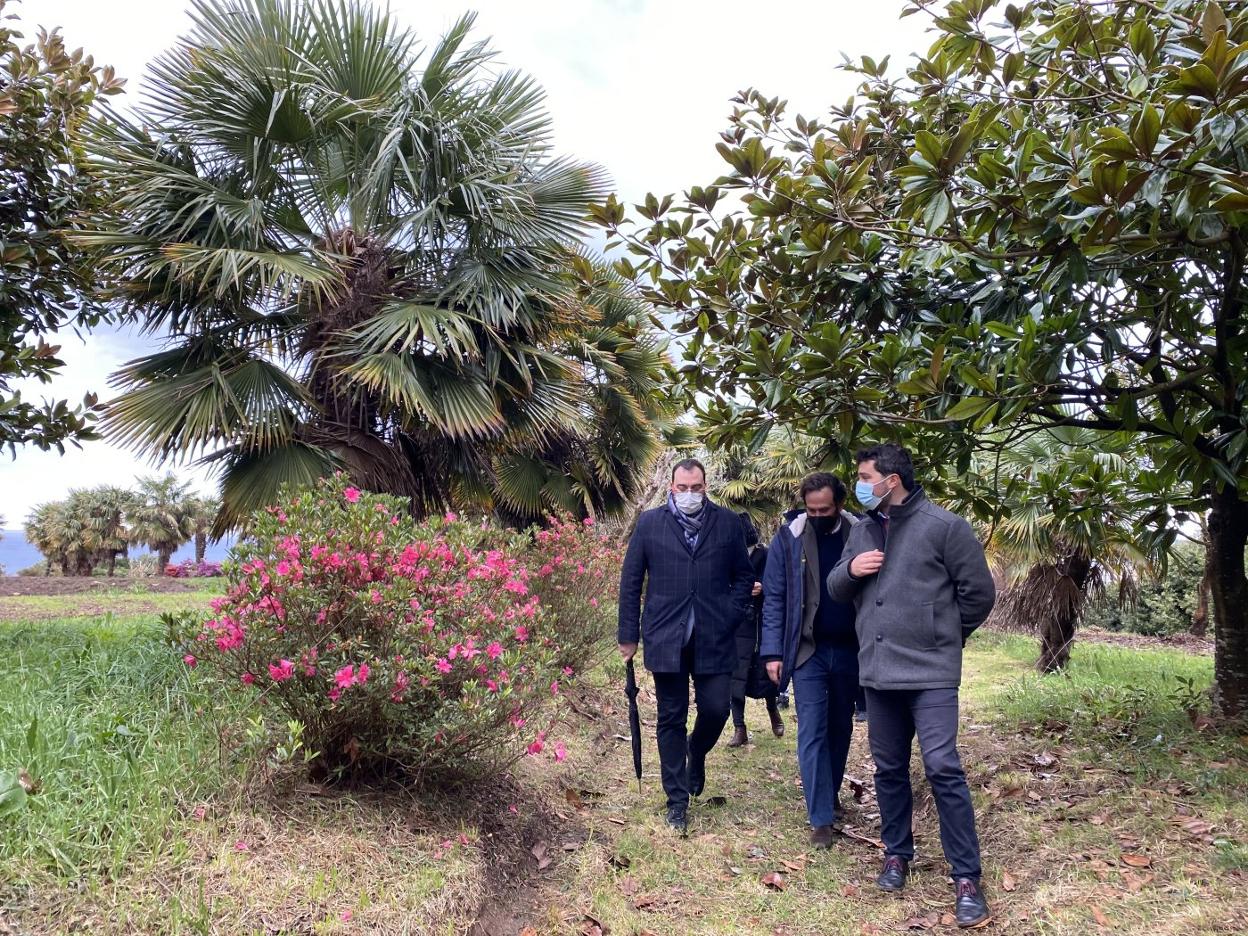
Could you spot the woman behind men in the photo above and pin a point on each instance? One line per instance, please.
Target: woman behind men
(750, 678)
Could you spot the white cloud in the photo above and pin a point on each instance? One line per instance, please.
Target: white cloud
(639, 86)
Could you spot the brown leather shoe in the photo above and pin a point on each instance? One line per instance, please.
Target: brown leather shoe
(821, 837)
(777, 723)
(739, 738)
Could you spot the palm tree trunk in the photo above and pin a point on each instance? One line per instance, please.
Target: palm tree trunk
(1057, 629)
(166, 556)
(201, 547)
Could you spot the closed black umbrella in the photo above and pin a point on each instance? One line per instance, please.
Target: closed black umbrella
(634, 717)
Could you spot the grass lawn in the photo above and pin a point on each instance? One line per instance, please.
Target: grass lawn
(1101, 809)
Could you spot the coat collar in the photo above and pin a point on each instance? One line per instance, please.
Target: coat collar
(712, 511)
(910, 505)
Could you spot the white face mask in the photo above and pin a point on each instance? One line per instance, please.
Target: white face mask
(688, 502)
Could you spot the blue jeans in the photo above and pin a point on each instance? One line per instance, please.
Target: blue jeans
(825, 687)
(896, 717)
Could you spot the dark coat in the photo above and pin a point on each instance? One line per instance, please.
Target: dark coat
(792, 591)
(933, 590)
(716, 579)
(748, 635)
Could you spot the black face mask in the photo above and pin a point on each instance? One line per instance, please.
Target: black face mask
(823, 525)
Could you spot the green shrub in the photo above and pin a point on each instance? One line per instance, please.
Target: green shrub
(428, 646)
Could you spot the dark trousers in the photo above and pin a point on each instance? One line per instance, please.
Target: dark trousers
(738, 707)
(896, 717)
(825, 687)
(671, 694)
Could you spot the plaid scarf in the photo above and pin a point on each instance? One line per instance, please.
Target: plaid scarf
(690, 524)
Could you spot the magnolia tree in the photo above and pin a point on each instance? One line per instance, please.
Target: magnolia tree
(427, 647)
(1043, 223)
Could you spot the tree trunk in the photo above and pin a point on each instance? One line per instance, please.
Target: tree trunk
(1057, 628)
(201, 547)
(112, 563)
(47, 568)
(1228, 587)
(165, 556)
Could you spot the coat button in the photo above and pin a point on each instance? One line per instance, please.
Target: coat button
(878, 638)
(879, 601)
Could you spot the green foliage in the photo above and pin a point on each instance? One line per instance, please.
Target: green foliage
(1042, 224)
(45, 282)
(164, 515)
(364, 252)
(433, 648)
(111, 737)
(1160, 605)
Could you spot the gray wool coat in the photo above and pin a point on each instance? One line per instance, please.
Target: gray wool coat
(933, 590)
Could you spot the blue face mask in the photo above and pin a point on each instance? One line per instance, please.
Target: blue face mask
(865, 492)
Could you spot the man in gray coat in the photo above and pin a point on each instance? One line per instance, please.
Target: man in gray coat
(919, 581)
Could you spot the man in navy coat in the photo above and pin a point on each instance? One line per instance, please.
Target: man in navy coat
(690, 556)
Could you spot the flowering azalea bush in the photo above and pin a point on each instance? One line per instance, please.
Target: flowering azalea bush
(428, 646)
(190, 569)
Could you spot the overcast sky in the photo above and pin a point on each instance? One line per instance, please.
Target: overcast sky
(640, 86)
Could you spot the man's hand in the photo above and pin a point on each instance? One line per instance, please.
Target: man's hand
(866, 563)
(758, 589)
(773, 671)
(627, 651)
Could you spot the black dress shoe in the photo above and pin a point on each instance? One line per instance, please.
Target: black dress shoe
(971, 909)
(677, 820)
(893, 875)
(821, 837)
(739, 737)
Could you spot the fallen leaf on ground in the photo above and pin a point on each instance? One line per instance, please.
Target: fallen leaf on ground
(948, 919)
(539, 851)
(1136, 860)
(922, 922)
(774, 880)
(1008, 882)
(1135, 882)
(573, 798)
(1096, 820)
(620, 861)
(1196, 827)
(1099, 915)
(797, 864)
(858, 788)
(849, 890)
(1044, 759)
(628, 885)
(616, 820)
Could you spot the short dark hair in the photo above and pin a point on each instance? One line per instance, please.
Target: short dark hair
(748, 528)
(820, 480)
(688, 464)
(890, 458)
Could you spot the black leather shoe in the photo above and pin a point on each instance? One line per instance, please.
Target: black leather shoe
(893, 875)
(821, 837)
(739, 737)
(676, 819)
(970, 908)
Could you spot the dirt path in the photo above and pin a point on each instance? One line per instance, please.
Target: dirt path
(82, 585)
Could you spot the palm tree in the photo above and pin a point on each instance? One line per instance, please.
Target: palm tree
(48, 529)
(204, 512)
(162, 516)
(365, 260)
(1074, 518)
(105, 535)
(764, 482)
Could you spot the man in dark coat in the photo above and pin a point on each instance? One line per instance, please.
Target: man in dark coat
(690, 557)
(748, 679)
(809, 638)
(921, 585)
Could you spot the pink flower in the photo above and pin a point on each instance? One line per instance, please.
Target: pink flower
(351, 494)
(248, 678)
(567, 671)
(554, 687)
(451, 516)
(494, 650)
(443, 666)
(491, 685)
(537, 744)
(560, 752)
(345, 677)
(190, 660)
(346, 916)
(522, 633)
(240, 845)
(335, 694)
(362, 676)
(282, 671)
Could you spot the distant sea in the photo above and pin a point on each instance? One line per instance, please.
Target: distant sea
(17, 554)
